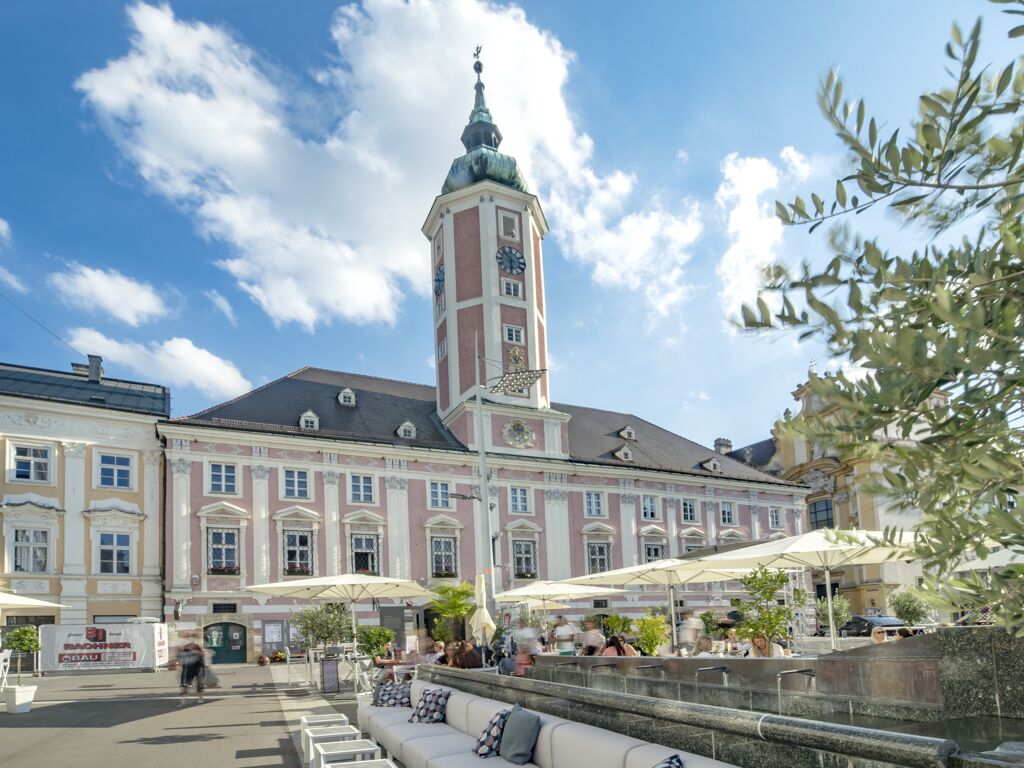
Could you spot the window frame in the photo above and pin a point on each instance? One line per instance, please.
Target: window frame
(97, 470)
(309, 548)
(374, 499)
(655, 507)
(520, 506)
(602, 507)
(517, 285)
(442, 348)
(283, 486)
(525, 573)
(516, 236)
(692, 503)
(210, 490)
(237, 546)
(661, 545)
(12, 459)
(447, 493)
(31, 545)
(116, 547)
(448, 537)
(775, 519)
(723, 506)
(373, 554)
(509, 333)
(607, 545)
(811, 513)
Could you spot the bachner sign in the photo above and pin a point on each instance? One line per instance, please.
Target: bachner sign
(67, 647)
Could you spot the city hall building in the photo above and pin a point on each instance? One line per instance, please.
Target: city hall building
(325, 472)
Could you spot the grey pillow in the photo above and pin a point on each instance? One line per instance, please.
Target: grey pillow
(519, 736)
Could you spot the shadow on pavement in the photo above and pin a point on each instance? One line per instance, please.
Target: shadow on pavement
(183, 739)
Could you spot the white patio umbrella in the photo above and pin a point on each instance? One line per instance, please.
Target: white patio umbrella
(480, 623)
(823, 549)
(994, 562)
(549, 591)
(668, 573)
(10, 600)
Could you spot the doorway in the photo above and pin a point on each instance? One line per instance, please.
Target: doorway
(227, 641)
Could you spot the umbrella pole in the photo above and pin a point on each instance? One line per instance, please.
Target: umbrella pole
(672, 615)
(831, 616)
(355, 649)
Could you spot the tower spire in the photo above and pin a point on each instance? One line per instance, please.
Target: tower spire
(480, 131)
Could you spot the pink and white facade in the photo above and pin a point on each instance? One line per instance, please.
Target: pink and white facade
(324, 472)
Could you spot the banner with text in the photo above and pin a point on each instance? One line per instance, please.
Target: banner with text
(70, 647)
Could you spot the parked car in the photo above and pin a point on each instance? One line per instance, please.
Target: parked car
(861, 626)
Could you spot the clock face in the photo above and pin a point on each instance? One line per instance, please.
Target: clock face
(516, 356)
(511, 260)
(439, 281)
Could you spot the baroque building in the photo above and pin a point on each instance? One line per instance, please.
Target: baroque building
(81, 495)
(325, 472)
(839, 496)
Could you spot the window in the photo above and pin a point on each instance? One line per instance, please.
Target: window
(511, 288)
(32, 464)
(442, 557)
(347, 397)
(115, 471)
(362, 488)
(439, 495)
(513, 334)
(692, 544)
(689, 507)
(407, 430)
(115, 553)
(298, 553)
(509, 226)
(224, 608)
(518, 501)
(309, 420)
(524, 559)
(442, 348)
(222, 551)
(599, 557)
(222, 478)
(654, 551)
(727, 516)
(364, 553)
(296, 484)
(439, 304)
(649, 508)
(774, 517)
(821, 514)
(592, 504)
(600, 604)
(31, 550)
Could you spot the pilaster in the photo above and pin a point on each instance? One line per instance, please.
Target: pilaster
(399, 546)
(260, 523)
(556, 534)
(151, 587)
(628, 528)
(181, 525)
(72, 583)
(332, 521)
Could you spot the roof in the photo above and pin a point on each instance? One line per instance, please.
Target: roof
(77, 389)
(761, 453)
(382, 405)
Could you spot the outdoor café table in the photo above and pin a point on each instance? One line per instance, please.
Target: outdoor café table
(316, 734)
(360, 750)
(310, 721)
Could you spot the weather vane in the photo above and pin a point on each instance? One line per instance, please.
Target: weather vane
(478, 66)
(476, 53)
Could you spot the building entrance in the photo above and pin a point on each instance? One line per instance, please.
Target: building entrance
(227, 641)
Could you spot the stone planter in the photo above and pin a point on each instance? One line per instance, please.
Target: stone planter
(18, 698)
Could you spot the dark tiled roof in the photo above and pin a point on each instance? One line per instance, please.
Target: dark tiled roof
(382, 405)
(75, 388)
(761, 453)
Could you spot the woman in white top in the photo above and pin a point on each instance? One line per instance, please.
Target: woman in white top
(704, 646)
(565, 635)
(761, 648)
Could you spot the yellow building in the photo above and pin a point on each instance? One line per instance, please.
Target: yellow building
(840, 497)
(80, 496)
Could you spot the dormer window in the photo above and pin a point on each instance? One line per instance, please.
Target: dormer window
(628, 433)
(347, 397)
(712, 465)
(309, 420)
(407, 431)
(625, 453)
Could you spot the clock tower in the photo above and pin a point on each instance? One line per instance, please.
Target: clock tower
(485, 232)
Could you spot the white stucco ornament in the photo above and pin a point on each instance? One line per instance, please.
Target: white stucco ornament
(518, 434)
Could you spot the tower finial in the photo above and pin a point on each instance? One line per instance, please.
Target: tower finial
(478, 66)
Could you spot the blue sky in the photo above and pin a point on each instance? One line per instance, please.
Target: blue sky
(212, 195)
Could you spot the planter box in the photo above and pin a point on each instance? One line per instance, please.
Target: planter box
(18, 698)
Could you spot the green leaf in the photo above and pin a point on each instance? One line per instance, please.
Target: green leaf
(931, 134)
(1016, 31)
(1004, 79)
(782, 213)
(860, 116)
(841, 193)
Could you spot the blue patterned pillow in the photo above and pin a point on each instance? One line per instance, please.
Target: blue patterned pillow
(489, 742)
(396, 695)
(433, 703)
(379, 691)
(671, 762)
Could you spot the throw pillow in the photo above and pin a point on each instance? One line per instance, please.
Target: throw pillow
(433, 702)
(671, 762)
(519, 736)
(490, 740)
(379, 690)
(397, 696)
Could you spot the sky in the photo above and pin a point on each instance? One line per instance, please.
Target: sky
(213, 195)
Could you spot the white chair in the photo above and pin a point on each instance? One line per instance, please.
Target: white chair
(5, 665)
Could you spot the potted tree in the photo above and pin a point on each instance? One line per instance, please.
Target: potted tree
(18, 698)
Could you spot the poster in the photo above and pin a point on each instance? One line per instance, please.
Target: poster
(71, 647)
(272, 633)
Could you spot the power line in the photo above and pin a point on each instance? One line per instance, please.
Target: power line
(11, 301)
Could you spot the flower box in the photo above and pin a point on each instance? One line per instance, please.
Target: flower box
(292, 570)
(526, 576)
(223, 570)
(445, 575)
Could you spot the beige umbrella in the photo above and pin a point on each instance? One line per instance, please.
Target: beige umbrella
(823, 549)
(668, 573)
(547, 591)
(10, 600)
(481, 624)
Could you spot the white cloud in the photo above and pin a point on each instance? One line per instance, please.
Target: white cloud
(324, 224)
(5, 233)
(177, 362)
(798, 165)
(222, 305)
(682, 156)
(11, 280)
(110, 291)
(431, 362)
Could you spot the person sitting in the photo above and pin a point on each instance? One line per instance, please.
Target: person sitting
(760, 648)
(904, 632)
(466, 657)
(614, 647)
(384, 661)
(449, 655)
(737, 647)
(436, 655)
(878, 635)
(704, 646)
(629, 649)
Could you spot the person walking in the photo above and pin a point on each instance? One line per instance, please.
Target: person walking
(192, 660)
(690, 628)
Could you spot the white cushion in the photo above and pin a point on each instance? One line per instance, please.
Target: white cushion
(384, 718)
(469, 760)
(396, 737)
(543, 753)
(456, 714)
(480, 713)
(578, 744)
(419, 752)
(651, 754)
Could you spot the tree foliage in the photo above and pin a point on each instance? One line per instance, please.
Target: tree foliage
(370, 641)
(453, 602)
(711, 626)
(907, 606)
(615, 624)
(939, 330)
(322, 625)
(762, 614)
(652, 632)
(24, 639)
(842, 611)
